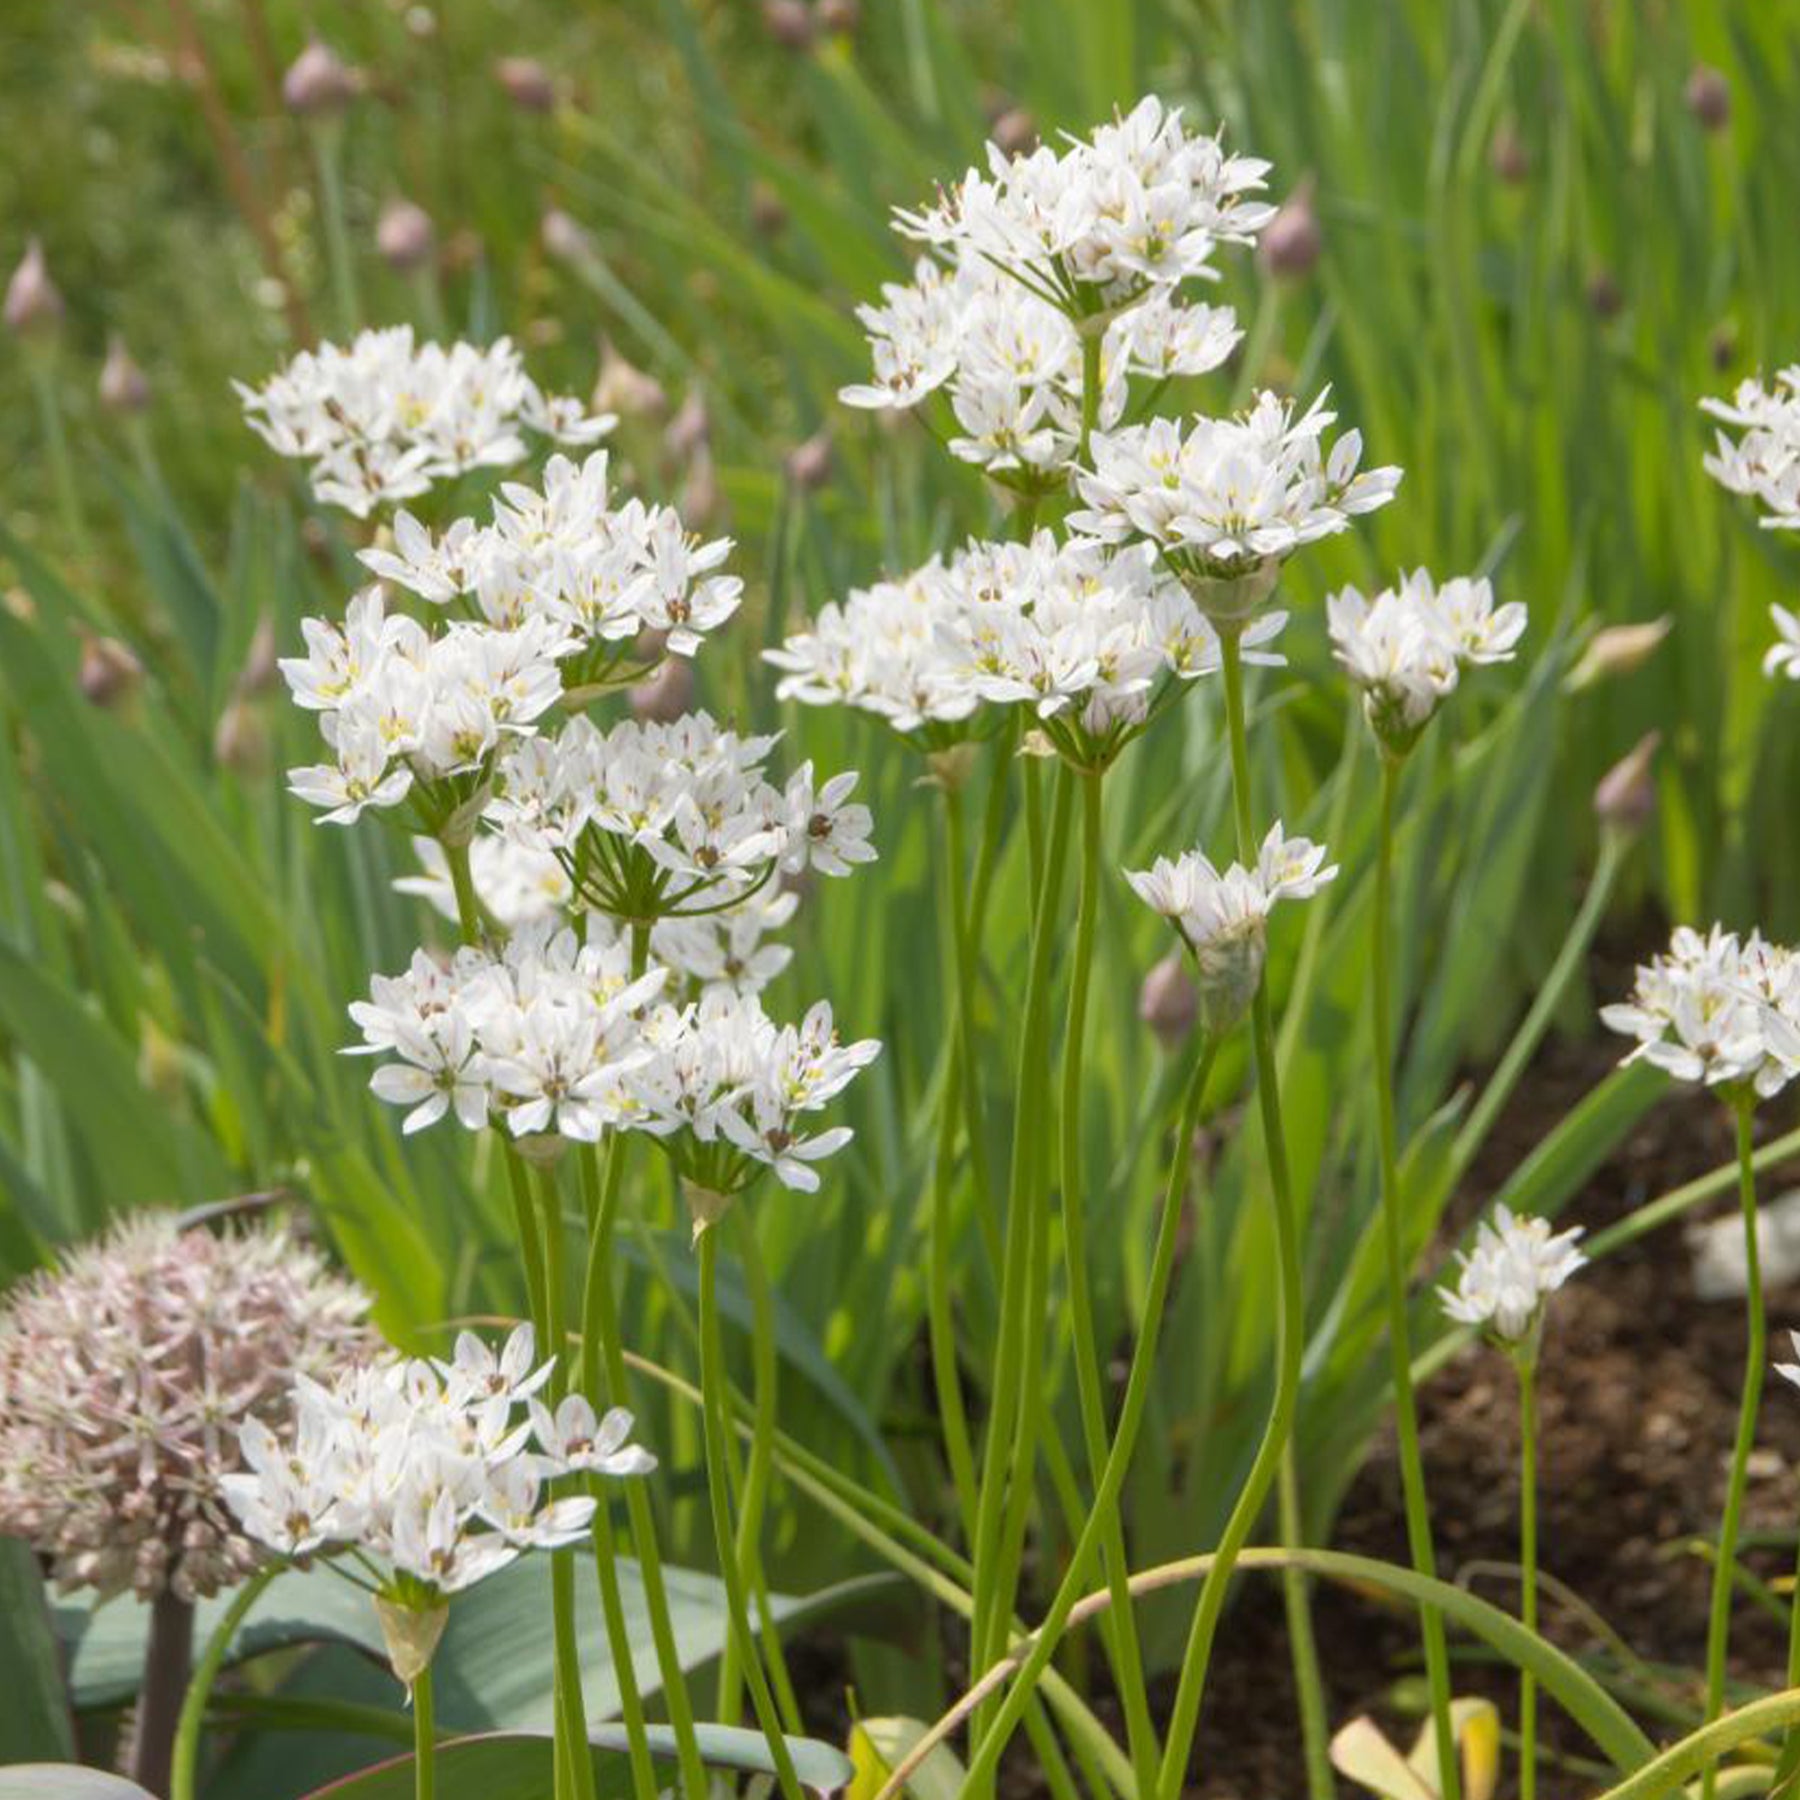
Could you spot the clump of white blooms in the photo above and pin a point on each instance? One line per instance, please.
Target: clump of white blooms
(1093, 241)
(1226, 499)
(1716, 1009)
(1222, 916)
(386, 418)
(1407, 647)
(1082, 635)
(1765, 462)
(550, 1036)
(429, 1467)
(125, 1375)
(1509, 1274)
(1783, 656)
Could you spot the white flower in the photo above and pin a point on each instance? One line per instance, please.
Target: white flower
(574, 1441)
(1514, 1267)
(477, 1374)
(384, 419)
(1783, 657)
(1765, 462)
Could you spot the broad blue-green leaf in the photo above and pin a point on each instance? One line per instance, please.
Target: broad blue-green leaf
(34, 1710)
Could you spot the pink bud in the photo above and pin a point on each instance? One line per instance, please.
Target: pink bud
(123, 387)
(1292, 241)
(109, 673)
(809, 463)
(319, 83)
(1626, 796)
(527, 83)
(1169, 1002)
(1708, 97)
(1014, 131)
(564, 238)
(667, 695)
(626, 389)
(34, 305)
(404, 236)
(789, 23)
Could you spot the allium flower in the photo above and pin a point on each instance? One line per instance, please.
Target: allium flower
(1717, 1009)
(424, 1466)
(125, 1376)
(1226, 498)
(1515, 1266)
(1407, 647)
(1783, 656)
(1081, 634)
(1765, 462)
(1222, 917)
(384, 419)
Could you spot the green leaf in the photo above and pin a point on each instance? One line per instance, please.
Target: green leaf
(878, 1746)
(34, 1711)
(66, 1781)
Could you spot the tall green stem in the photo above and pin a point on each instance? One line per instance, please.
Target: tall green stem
(1303, 1647)
(1393, 1231)
(713, 1381)
(1009, 1457)
(1121, 1639)
(425, 1739)
(1718, 1632)
(462, 882)
(41, 362)
(185, 1758)
(327, 144)
(989, 1745)
(1178, 1744)
(1528, 1558)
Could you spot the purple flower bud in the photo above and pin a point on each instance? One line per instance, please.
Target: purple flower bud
(404, 236)
(789, 23)
(1014, 131)
(34, 305)
(527, 83)
(1626, 796)
(1292, 241)
(109, 673)
(1169, 1002)
(319, 83)
(1708, 97)
(667, 695)
(123, 386)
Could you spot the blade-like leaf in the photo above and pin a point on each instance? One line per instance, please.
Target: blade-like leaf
(34, 1711)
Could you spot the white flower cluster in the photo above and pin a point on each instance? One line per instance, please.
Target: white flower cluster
(384, 419)
(1224, 496)
(1783, 656)
(551, 1036)
(1717, 1009)
(425, 1465)
(1068, 628)
(1514, 1267)
(1222, 917)
(1407, 647)
(1049, 247)
(651, 820)
(1765, 462)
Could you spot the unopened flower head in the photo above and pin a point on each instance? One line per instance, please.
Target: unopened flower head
(1083, 635)
(1716, 1009)
(125, 1375)
(1407, 647)
(1222, 915)
(1225, 500)
(1514, 1266)
(384, 419)
(429, 1467)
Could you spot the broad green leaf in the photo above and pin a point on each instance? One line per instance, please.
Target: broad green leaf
(877, 1747)
(34, 1710)
(65, 1781)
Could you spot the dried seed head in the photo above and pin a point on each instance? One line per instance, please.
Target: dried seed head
(1169, 1002)
(667, 695)
(1626, 796)
(319, 83)
(1708, 97)
(809, 463)
(109, 673)
(1291, 243)
(123, 387)
(34, 304)
(789, 23)
(126, 1372)
(405, 237)
(527, 83)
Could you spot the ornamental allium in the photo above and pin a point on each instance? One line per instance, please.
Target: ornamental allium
(1764, 462)
(1407, 647)
(1222, 916)
(1509, 1274)
(428, 1466)
(125, 1376)
(1716, 1009)
(1225, 498)
(1073, 630)
(386, 418)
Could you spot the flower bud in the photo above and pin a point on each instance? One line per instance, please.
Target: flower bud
(1605, 298)
(1229, 600)
(564, 239)
(1169, 1002)
(1230, 965)
(767, 213)
(1626, 796)
(1618, 650)
(809, 464)
(840, 17)
(667, 695)
(690, 429)
(700, 492)
(109, 673)
(404, 236)
(240, 739)
(1708, 97)
(625, 389)
(527, 83)
(789, 23)
(1722, 348)
(318, 84)
(1291, 242)
(1014, 131)
(1508, 156)
(261, 668)
(34, 305)
(411, 1634)
(706, 1206)
(123, 387)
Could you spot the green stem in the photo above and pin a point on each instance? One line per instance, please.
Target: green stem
(1393, 1229)
(1009, 1457)
(1122, 1638)
(1044, 1640)
(1718, 1631)
(186, 1755)
(1303, 1648)
(718, 1451)
(462, 880)
(1091, 342)
(327, 143)
(1528, 1558)
(1178, 1744)
(42, 365)
(425, 1738)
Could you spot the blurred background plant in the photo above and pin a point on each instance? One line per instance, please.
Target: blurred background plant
(1519, 242)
